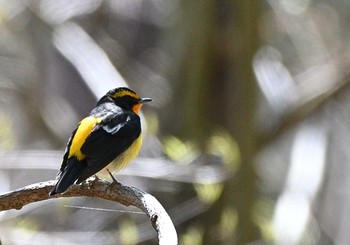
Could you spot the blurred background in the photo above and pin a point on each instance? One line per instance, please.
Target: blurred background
(246, 140)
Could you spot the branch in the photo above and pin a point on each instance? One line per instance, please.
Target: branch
(95, 187)
(305, 107)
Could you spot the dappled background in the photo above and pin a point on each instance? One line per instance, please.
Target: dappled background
(247, 138)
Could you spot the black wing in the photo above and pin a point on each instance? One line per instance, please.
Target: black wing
(66, 153)
(108, 140)
(68, 172)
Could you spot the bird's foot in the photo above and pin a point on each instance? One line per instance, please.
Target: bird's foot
(90, 181)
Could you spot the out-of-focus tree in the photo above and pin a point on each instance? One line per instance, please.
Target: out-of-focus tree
(218, 93)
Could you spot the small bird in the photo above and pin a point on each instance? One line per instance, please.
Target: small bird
(110, 134)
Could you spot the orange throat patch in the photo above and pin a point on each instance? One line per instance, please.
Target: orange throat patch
(136, 108)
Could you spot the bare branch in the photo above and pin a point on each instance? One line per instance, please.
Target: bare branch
(95, 187)
(306, 107)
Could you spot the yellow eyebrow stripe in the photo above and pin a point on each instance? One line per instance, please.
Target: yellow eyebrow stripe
(84, 129)
(123, 93)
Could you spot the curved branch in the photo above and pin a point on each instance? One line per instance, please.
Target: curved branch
(95, 187)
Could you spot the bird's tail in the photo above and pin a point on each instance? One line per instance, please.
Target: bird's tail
(67, 177)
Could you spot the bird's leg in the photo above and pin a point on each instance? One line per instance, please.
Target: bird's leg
(96, 178)
(115, 181)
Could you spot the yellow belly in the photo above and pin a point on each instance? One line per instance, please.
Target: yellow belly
(124, 159)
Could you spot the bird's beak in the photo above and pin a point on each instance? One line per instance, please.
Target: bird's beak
(145, 100)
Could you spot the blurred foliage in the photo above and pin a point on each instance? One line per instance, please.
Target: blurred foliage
(228, 223)
(176, 150)
(128, 232)
(223, 146)
(193, 236)
(209, 193)
(246, 140)
(7, 141)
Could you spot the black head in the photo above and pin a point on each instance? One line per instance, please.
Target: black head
(125, 98)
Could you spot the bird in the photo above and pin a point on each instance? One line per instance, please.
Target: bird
(109, 136)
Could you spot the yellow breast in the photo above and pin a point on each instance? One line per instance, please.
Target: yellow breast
(124, 159)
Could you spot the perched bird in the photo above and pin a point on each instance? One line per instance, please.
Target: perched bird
(110, 134)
